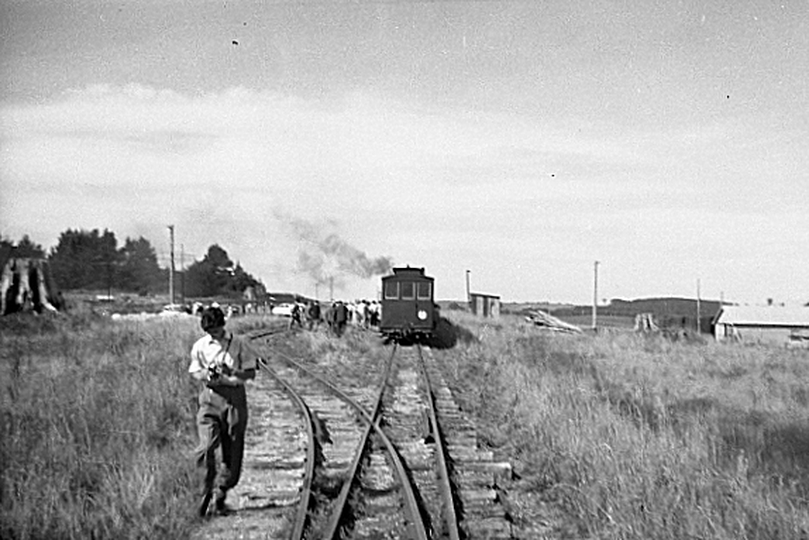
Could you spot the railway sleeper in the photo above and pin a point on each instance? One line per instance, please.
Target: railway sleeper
(497, 470)
(485, 511)
(470, 496)
(462, 453)
(461, 439)
(294, 463)
(487, 528)
(376, 526)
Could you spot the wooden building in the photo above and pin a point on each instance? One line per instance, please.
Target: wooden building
(485, 305)
(774, 325)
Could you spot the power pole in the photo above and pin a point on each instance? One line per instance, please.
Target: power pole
(182, 273)
(698, 307)
(468, 290)
(171, 267)
(595, 295)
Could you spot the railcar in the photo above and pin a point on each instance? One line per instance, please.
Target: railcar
(408, 307)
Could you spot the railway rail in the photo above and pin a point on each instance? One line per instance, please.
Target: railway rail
(385, 454)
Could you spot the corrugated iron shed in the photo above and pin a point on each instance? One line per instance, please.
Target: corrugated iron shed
(764, 316)
(771, 324)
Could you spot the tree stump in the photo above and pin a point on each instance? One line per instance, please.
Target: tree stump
(26, 285)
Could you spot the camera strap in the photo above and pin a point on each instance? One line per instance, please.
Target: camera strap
(223, 353)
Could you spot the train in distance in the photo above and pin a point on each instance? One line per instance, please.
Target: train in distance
(409, 311)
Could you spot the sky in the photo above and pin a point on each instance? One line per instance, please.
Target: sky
(322, 141)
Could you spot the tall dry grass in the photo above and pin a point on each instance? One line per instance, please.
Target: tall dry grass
(96, 429)
(97, 425)
(641, 437)
(627, 437)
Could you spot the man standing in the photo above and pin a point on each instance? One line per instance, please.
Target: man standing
(314, 315)
(223, 362)
(296, 316)
(340, 318)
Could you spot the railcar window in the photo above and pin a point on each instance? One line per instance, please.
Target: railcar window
(408, 290)
(424, 290)
(392, 290)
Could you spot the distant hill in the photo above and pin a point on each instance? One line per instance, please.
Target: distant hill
(663, 307)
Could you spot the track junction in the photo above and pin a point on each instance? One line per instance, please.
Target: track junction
(375, 448)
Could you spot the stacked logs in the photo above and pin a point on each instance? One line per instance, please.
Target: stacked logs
(26, 285)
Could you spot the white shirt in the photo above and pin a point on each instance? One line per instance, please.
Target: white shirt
(231, 352)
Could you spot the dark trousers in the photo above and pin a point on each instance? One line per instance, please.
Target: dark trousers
(221, 422)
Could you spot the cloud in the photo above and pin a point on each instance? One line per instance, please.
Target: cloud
(360, 130)
(345, 153)
(420, 183)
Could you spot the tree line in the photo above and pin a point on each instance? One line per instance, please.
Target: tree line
(93, 260)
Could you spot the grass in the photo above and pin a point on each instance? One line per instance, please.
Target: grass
(612, 436)
(96, 430)
(635, 437)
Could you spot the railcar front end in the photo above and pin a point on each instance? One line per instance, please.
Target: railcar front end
(408, 306)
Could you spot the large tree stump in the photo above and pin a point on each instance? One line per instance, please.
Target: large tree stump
(26, 285)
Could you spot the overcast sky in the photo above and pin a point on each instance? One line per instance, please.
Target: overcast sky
(519, 140)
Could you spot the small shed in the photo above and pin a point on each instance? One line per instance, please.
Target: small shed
(775, 325)
(485, 305)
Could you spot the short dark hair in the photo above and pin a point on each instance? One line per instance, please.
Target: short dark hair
(211, 318)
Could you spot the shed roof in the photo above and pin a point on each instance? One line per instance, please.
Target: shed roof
(483, 295)
(764, 316)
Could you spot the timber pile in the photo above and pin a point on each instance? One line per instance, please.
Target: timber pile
(546, 320)
(26, 285)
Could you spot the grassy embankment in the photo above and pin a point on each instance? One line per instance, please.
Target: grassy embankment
(635, 437)
(97, 428)
(628, 437)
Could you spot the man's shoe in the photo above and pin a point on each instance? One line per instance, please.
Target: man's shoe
(220, 508)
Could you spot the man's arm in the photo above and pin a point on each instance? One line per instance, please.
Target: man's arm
(196, 369)
(245, 375)
(233, 378)
(246, 365)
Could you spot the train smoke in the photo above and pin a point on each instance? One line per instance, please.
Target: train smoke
(326, 257)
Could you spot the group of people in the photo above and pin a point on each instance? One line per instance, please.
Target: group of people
(337, 315)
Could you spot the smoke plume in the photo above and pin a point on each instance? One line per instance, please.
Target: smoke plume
(327, 258)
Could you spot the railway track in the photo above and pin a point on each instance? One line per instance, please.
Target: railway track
(372, 451)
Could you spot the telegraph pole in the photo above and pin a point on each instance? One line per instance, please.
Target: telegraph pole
(171, 267)
(182, 274)
(595, 295)
(698, 306)
(468, 291)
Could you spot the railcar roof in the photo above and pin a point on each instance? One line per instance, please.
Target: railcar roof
(407, 272)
